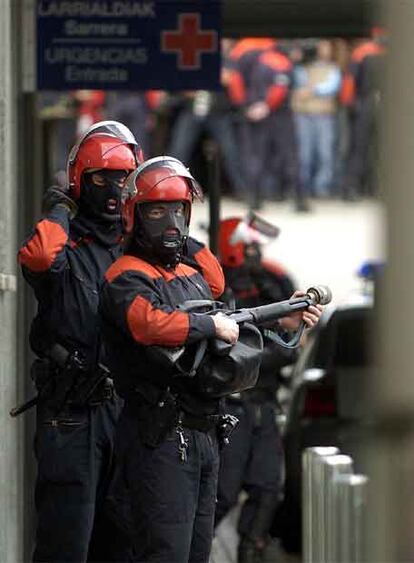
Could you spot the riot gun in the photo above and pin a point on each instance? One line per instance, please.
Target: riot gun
(264, 315)
(316, 295)
(188, 361)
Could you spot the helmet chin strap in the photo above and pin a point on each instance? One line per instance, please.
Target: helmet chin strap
(168, 257)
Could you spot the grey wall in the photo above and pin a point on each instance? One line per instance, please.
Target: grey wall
(391, 509)
(11, 444)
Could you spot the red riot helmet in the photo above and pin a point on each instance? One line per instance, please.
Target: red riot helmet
(235, 234)
(107, 145)
(148, 183)
(165, 181)
(231, 255)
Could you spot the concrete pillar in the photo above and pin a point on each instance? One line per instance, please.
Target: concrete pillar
(391, 503)
(11, 443)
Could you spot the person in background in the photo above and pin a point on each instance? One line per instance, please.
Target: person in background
(272, 82)
(253, 461)
(89, 108)
(361, 92)
(210, 113)
(136, 110)
(314, 102)
(245, 94)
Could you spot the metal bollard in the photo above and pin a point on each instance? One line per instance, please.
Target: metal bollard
(313, 505)
(333, 467)
(352, 498)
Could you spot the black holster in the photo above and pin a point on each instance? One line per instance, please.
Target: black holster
(91, 388)
(156, 417)
(43, 372)
(74, 386)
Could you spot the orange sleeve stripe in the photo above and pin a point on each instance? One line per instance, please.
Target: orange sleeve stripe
(153, 98)
(236, 88)
(274, 267)
(149, 325)
(348, 90)
(276, 95)
(40, 252)
(128, 262)
(212, 271)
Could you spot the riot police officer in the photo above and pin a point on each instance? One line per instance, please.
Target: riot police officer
(253, 461)
(167, 449)
(64, 261)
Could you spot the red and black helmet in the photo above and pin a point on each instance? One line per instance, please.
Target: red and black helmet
(163, 178)
(231, 254)
(236, 233)
(105, 145)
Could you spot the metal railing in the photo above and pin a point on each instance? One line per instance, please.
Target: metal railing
(334, 502)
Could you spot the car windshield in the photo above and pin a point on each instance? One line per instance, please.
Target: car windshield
(343, 341)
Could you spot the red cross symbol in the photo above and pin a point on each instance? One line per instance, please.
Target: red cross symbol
(189, 41)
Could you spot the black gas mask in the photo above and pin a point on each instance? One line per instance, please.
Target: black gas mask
(100, 197)
(162, 230)
(252, 257)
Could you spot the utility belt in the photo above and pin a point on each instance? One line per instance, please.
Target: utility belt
(76, 387)
(259, 395)
(201, 423)
(63, 378)
(159, 412)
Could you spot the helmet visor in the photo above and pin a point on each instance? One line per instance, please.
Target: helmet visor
(174, 168)
(112, 128)
(254, 229)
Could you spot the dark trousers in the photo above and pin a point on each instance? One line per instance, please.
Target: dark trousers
(220, 127)
(172, 501)
(282, 156)
(253, 141)
(360, 175)
(269, 158)
(253, 462)
(131, 108)
(74, 452)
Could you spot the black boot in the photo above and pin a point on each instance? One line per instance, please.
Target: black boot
(249, 552)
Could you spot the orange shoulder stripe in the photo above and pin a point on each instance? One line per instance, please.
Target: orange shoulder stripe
(365, 50)
(128, 262)
(251, 44)
(276, 61)
(41, 250)
(212, 271)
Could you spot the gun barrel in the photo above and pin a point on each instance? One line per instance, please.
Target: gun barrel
(24, 407)
(272, 311)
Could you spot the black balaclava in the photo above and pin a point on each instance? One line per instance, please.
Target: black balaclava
(161, 240)
(102, 203)
(252, 256)
(99, 208)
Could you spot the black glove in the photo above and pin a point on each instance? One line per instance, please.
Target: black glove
(56, 195)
